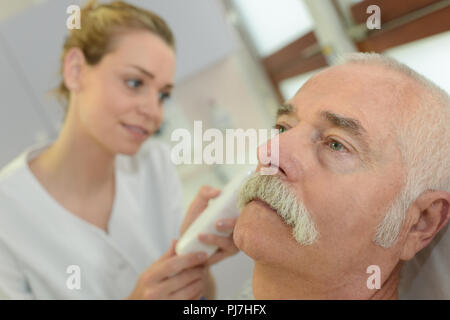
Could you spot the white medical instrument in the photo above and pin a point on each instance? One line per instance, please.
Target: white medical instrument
(224, 206)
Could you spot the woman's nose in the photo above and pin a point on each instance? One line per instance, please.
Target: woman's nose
(150, 106)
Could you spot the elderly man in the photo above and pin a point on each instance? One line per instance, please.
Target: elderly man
(362, 184)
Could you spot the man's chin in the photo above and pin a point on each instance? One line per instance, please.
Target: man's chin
(259, 230)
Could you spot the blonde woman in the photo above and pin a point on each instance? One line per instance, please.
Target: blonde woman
(91, 215)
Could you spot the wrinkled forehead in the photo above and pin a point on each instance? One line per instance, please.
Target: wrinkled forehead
(371, 95)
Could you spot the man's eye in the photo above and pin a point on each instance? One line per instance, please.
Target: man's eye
(336, 146)
(163, 96)
(134, 83)
(280, 128)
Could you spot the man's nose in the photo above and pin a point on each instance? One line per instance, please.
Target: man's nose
(276, 156)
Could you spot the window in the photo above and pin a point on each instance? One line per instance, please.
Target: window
(428, 56)
(273, 24)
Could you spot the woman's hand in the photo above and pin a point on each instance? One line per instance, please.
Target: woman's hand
(198, 205)
(173, 277)
(226, 244)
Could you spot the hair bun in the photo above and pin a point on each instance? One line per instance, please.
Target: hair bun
(90, 6)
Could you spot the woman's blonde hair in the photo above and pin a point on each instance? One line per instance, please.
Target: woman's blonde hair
(100, 25)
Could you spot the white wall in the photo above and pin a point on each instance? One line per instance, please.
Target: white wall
(21, 123)
(10, 8)
(429, 57)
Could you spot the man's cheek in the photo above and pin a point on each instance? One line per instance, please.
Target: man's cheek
(338, 163)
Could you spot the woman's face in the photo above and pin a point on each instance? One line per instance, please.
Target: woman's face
(120, 100)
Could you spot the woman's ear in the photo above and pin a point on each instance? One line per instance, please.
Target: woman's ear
(433, 211)
(73, 63)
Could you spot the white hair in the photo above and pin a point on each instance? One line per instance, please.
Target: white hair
(424, 140)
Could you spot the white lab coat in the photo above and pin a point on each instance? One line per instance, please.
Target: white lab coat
(40, 239)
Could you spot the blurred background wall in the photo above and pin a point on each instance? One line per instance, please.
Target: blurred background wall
(237, 60)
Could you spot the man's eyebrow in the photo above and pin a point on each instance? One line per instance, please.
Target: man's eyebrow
(352, 126)
(149, 74)
(285, 108)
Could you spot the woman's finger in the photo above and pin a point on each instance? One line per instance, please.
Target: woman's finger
(226, 225)
(182, 279)
(218, 256)
(189, 292)
(198, 205)
(201, 200)
(224, 243)
(173, 265)
(171, 252)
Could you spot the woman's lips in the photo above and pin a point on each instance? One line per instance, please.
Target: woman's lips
(136, 131)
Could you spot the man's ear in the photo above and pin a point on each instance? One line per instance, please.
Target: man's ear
(73, 63)
(432, 211)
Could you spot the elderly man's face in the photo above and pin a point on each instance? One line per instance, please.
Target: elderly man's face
(339, 155)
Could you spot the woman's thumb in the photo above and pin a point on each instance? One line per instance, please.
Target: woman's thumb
(171, 252)
(201, 200)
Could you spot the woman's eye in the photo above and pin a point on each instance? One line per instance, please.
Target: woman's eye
(336, 146)
(280, 128)
(134, 83)
(163, 96)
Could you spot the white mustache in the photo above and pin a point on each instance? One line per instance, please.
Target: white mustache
(272, 190)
